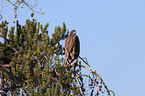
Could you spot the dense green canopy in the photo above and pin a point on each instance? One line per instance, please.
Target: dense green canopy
(32, 63)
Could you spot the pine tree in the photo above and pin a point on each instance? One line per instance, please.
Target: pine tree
(32, 64)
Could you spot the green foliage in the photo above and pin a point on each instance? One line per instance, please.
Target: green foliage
(28, 56)
(31, 63)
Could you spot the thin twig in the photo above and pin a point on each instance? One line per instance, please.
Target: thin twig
(58, 83)
(5, 65)
(97, 75)
(89, 77)
(10, 45)
(84, 61)
(3, 92)
(12, 3)
(37, 60)
(94, 72)
(28, 6)
(79, 86)
(112, 92)
(47, 60)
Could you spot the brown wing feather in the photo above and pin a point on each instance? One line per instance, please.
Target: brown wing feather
(67, 47)
(71, 43)
(67, 43)
(72, 48)
(77, 47)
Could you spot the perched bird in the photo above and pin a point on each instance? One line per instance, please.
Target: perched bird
(72, 47)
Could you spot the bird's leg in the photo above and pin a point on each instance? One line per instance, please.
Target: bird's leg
(73, 68)
(72, 64)
(66, 59)
(67, 64)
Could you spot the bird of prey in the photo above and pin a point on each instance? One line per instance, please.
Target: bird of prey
(72, 47)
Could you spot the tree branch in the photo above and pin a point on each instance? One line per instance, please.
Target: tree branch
(95, 73)
(12, 3)
(28, 6)
(3, 92)
(79, 86)
(84, 61)
(10, 45)
(37, 60)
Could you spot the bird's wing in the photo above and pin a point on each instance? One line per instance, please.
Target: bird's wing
(71, 43)
(77, 46)
(67, 43)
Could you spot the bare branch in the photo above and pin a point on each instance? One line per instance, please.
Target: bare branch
(84, 61)
(37, 60)
(58, 82)
(46, 59)
(16, 6)
(95, 73)
(112, 92)
(89, 77)
(10, 45)
(3, 92)
(5, 65)
(1, 16)
(28, 6)
(79, 86)
(12, 3)
(1, 11)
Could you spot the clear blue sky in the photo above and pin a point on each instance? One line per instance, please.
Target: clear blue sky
(111, 32)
